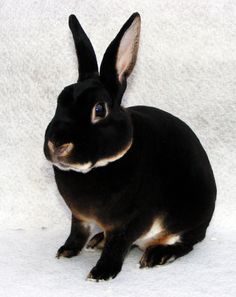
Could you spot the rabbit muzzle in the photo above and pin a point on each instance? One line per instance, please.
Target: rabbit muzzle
(60, 151)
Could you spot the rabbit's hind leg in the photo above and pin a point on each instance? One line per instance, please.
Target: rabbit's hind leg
(96, 242)
(163, 254)
(168, 247)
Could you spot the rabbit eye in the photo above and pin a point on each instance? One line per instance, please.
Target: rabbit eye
(99, 112)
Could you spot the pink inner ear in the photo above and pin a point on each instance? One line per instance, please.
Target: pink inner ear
(128, 49)
(122, 68)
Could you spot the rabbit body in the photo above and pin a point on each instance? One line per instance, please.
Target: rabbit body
(156, 190)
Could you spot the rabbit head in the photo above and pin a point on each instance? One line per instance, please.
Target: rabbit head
(90, 128)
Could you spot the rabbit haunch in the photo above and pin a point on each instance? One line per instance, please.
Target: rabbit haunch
(157, 234)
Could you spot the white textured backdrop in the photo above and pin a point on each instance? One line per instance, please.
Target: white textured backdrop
(186, 66)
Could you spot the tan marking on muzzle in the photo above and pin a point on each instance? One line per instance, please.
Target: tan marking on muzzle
(61, 151)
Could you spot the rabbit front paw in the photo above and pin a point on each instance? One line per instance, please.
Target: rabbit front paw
(67, 252)
(104, 271)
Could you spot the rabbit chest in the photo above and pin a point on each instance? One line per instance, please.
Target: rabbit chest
(97, 197)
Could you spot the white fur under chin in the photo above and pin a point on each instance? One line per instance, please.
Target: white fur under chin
(82, 168)
(86, 167)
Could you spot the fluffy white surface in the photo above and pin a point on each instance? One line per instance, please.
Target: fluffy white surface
(186, 65)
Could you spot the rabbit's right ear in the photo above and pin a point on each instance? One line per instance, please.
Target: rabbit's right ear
(120, 57)
(87, 61)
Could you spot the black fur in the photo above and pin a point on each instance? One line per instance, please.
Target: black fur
(86, 56)
(165, 172)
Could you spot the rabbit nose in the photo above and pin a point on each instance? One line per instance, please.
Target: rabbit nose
(62, 150)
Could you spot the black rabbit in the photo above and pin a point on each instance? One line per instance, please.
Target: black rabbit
(139, 173)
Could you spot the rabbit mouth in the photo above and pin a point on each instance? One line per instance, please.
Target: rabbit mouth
(63, 165)
(83, 168)
(86, 167)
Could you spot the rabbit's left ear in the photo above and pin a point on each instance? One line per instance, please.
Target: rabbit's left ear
(120, 57)
(88, 67)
